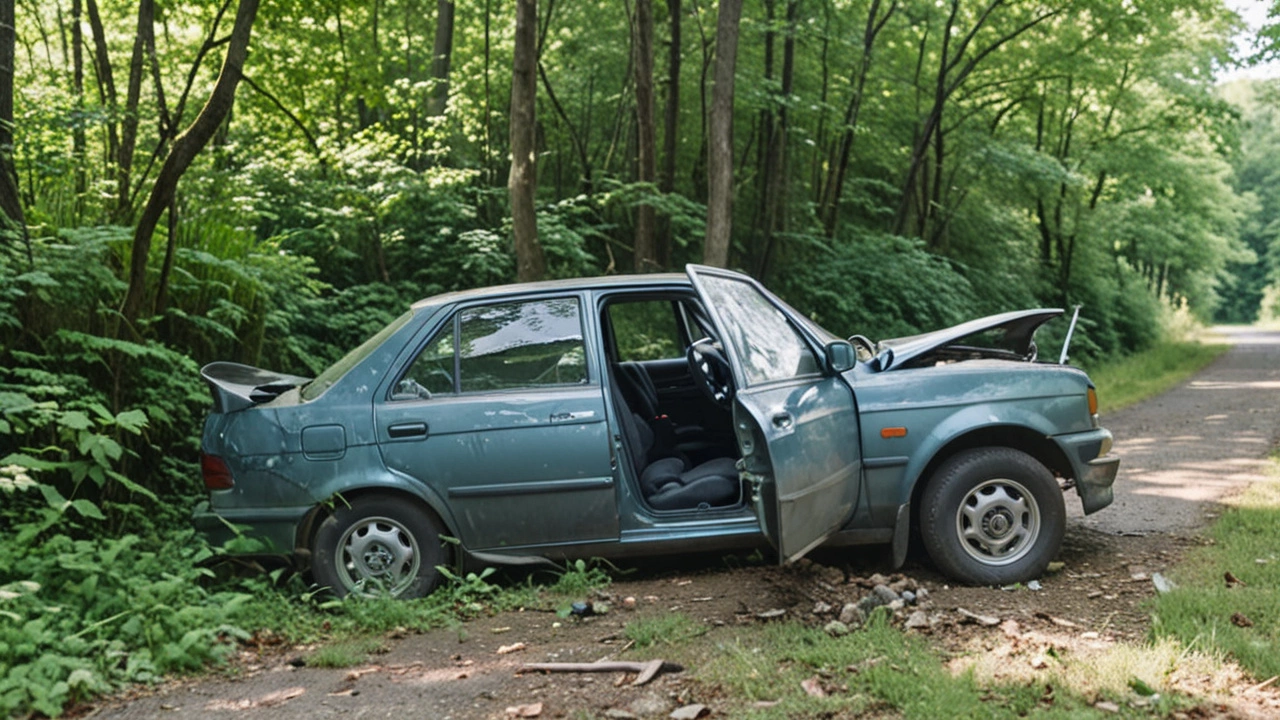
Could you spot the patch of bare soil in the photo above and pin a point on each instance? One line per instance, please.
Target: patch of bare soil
(1094, 598)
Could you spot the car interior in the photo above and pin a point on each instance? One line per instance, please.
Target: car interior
(680, 440)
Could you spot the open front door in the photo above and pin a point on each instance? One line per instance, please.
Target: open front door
(796, 424)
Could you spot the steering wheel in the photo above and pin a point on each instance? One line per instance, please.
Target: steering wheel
(711, 372)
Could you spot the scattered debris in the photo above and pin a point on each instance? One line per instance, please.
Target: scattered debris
(690, 712)
(771, 614)
(1095, 594)
(619, 714)
(1262, 685)
(1106, 706)
(514, 647)
(645, 671)
(835, 628)
(1060, 622)
(271, 699)
(917, 620)
(1232, 580)
(1162, 583)
(813, 687)
(1034, 585)
(985, 620)
(851, 615)
(821, 608)
(531, 710)
(1055, 567)
(629, 602)
(1240, 621)
(499, 630)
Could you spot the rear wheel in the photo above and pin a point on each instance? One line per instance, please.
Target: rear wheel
(379, 545)
(992, 516)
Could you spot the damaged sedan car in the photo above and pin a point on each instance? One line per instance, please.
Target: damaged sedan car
(643, 415)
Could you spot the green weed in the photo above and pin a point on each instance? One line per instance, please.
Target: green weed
(346, 653)
(1238, 615)
(670, 629)
(580, 577)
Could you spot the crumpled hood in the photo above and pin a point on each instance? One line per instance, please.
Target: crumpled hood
(1019, 326)
(236, 387)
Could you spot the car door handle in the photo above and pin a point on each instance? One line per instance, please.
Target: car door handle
(408, 430)
(782, 420)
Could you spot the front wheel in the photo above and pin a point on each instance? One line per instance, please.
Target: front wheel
(992, 516)
(378, 545)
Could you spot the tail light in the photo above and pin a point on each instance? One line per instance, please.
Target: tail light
(217, 476)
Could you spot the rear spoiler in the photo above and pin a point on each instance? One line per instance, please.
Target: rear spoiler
(236, 387)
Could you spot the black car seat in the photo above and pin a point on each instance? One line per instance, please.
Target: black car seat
(670, 439)
(672, 483)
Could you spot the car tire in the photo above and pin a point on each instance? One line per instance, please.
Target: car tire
(378, 545)
(992, 516)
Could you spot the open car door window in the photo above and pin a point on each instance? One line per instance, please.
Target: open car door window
(797, 427)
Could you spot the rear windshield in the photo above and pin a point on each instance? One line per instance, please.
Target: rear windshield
(326, 379)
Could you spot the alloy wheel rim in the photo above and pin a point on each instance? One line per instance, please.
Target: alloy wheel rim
(998, 522)
(377, 556)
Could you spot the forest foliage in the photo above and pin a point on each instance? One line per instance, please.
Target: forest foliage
(895, 166)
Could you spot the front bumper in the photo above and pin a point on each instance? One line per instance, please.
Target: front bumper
(1094, 472)
(277, 528)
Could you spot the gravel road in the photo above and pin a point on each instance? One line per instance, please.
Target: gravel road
(1197, 443)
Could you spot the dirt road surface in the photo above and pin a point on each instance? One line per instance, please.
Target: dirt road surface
(1181, 451)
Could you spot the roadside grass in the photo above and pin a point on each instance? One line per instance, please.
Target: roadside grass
(1126, 381)
(669, 629)
(1209, 608)
(788, 670)
(346, 653)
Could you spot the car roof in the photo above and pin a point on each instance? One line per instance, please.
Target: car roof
(604, 282)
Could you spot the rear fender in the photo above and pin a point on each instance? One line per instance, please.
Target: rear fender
(343, 489)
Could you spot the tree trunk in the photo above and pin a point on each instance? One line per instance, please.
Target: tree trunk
(129, 127)
(14, 222)
(441, 55)
(646, 256)
(106, 81)
(523, 181)
(775, 188)
(670, 126)
(715, 251)
(834, 187)
(78, 142)
(184, 150)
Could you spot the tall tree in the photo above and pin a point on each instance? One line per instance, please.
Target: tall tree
(143, 40)
(523, 181)
(670, 128)
(715, 251)
(441, 56)
(646, 256)
(183, 152)
(10, 203)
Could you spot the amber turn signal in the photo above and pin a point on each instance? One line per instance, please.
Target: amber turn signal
(1093, 401)
(893, 432)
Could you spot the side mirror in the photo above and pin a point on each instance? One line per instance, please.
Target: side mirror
(840, 355)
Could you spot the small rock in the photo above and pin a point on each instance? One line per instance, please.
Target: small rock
(900, 586)
(1091, 635)
(922, 594)
(1162, 583)
(851, 614)
(1055, 567)
(1094, 594)
(813, 687)
(821, 608)
(868, 603)
(909, 597)
(514, 647)
(917, 620)
(690, 712)
(1010, 628)
(835, 628)
(884, 594)
(896, 605)
(878, 579)
(1034, 585)
(771, 614)
(532, 710)
(650, 704)
(629, 602)
(1107, 706)
(619, 714)
(1138, 577)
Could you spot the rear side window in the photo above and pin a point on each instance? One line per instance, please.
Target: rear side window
(535, 343)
